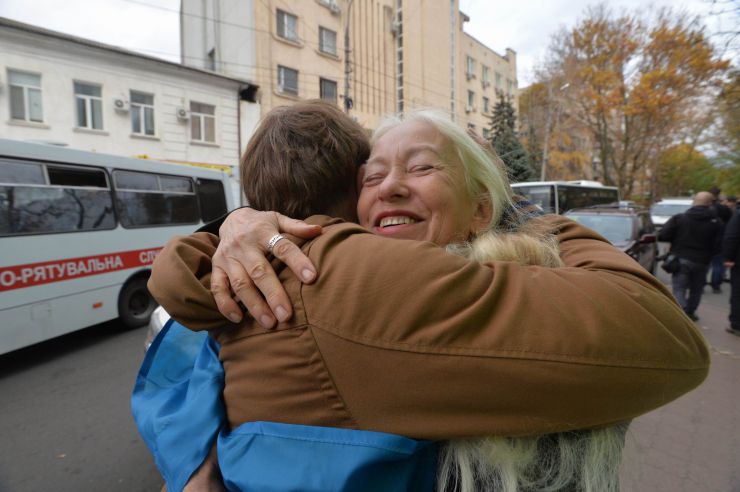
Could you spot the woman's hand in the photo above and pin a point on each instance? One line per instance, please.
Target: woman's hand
(240, 265)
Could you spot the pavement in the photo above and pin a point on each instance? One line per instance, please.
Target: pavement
(693, 443)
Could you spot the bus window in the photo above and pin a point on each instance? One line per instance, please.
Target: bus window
(570, 197)
(74, 200)
(16, 172)
(145, 199)
(212, 199)
(539, 195)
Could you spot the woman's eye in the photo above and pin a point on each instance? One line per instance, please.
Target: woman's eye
(421, 168)
(372, 179)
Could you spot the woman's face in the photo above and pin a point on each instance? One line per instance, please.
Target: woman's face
(412, 188)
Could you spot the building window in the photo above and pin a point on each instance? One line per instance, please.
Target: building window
(286, 25)
(327, 41)
(509, 86)
(142, 113)
(202, 122)
(328, 89)
(471, 101)
(89, 104)
(486, 105)
(485, 77)
(25, 96)
(486, 133)
(287, 81)
(498, 81)
(470, 72)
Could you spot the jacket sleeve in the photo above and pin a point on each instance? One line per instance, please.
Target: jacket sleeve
(429, 345)
(668, 231)
(731, 242)
(181, 279)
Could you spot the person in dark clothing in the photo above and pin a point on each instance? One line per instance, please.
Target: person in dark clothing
(723, 213)
(695, 237)
(731, 256)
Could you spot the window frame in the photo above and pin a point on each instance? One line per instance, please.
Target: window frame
(282, 26)
(485, 75)
(25, 88)
(322, 81)
(88, 104)
(486, 105)
(202, 117)
(322, 45)
(281, 87)
(470, 67)
(471, 100)
(142, 114)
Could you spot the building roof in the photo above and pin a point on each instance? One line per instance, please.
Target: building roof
(39, 31)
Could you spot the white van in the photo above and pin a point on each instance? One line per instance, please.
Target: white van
(663, 210)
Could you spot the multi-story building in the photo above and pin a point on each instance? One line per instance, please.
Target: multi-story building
(373, 57)
(65, 90)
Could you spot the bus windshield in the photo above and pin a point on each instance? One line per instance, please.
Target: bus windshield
(542, 195)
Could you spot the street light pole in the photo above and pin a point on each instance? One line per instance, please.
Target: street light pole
(347, 67)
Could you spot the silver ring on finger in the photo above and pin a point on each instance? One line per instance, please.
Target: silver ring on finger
(273, 241)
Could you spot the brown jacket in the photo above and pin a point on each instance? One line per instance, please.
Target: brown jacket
(400, 336)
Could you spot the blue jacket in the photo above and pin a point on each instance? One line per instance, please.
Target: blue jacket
(179, 412)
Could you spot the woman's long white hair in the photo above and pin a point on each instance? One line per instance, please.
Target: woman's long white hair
(577, 461)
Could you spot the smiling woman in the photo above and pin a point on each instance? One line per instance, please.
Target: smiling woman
(412, 187)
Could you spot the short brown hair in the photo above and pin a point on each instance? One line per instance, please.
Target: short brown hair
(302, 160)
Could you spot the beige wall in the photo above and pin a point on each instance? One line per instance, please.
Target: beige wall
(501, 79)
(431, 40)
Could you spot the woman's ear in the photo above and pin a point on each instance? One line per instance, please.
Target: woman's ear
(482, 214)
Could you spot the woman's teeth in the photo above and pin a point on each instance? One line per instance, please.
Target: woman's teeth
(391, 221)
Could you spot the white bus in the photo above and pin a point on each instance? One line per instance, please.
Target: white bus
(557, 197)
(79, 231)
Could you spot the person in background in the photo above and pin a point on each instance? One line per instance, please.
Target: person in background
(731, 203)
(723, 212)
(695, 237)
(731, 256)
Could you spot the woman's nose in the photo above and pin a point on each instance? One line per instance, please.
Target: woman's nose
(394, 186)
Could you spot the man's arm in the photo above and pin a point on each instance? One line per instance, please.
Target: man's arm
(668, 231)
(731, 242)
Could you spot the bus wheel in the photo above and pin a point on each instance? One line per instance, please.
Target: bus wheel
(135, 303)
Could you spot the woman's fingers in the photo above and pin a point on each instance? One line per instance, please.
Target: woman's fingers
(234, 277)
(221, 291)
(242, 254)
(293, 257)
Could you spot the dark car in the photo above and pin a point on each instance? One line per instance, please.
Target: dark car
(629, 228)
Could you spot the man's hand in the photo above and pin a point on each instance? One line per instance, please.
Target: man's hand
(240, 265)
(207, 478)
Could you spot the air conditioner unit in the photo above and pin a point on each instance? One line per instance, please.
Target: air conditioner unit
(334, 8)
(122, 105)
(469, 109)
(183, 114)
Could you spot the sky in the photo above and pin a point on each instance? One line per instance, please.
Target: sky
(152, 26)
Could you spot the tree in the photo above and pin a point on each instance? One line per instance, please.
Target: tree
(637, 86)
(505, 141)
(683, 171)
(727, 135)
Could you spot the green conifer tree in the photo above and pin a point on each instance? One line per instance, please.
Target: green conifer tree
(502, 133)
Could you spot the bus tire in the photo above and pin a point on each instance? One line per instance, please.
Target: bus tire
(135, 303)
